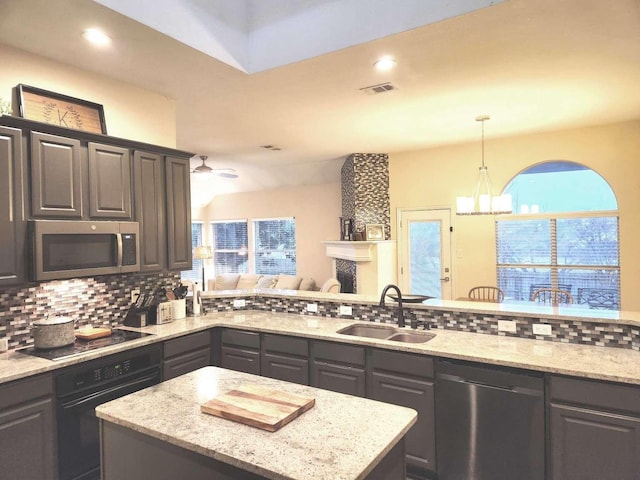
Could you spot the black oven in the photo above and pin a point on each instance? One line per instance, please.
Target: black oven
(82, 387)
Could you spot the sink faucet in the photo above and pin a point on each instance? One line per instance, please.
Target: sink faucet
(382, 299)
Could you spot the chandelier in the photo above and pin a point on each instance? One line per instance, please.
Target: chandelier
(483, 201)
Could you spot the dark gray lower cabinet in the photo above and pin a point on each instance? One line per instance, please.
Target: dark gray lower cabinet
(285, 358)
(130, 455)
(594, 430)
(407, 380)
(338, 367)
(240, 351)
(186, 354)
(27, 436)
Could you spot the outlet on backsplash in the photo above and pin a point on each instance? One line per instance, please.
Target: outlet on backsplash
(507, 326)
(4, 344)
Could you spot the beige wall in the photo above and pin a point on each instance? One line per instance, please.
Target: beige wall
(316, 209)
(130, 112)
(435, 177)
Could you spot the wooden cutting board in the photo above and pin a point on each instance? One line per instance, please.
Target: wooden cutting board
(258, 406)
(91, 333)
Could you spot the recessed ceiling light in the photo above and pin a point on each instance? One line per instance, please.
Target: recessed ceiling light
(385, 64)
(96, 37)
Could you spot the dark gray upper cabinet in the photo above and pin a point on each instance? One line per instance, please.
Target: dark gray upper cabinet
(12, 214)
(594, 430)
(285, 358)
(150, 202)
(407, 379)
(27, 435)
(109, 181)
(81, 175)
(56, 176)
(178, 213)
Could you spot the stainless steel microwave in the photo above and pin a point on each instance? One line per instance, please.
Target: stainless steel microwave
(68, 248)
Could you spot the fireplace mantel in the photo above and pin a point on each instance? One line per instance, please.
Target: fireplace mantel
(355, 251)
(375, 262)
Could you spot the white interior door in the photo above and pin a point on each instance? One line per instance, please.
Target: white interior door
(424, 250)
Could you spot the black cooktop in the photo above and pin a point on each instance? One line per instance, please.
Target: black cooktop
(81, 346)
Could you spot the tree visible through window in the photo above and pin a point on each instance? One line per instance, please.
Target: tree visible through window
(565, 235)
(275, 246)
(230, 251)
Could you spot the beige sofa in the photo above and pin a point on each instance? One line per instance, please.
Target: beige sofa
(244, 281)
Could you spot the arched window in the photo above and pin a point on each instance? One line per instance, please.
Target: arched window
(563, 234)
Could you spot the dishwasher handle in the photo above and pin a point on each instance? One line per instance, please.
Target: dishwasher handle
(505, 388)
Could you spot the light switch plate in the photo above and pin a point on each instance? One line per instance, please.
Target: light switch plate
(239, 303)
(507, 326)
(541, 329)
(4, 344)
(345, 310)
(312, 307)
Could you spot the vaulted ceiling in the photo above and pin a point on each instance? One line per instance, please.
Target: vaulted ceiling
(290, 73)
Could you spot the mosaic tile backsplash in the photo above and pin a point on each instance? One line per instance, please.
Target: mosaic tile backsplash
(566, 331)
(98, 301)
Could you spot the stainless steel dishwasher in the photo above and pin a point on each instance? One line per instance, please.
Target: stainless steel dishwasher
(489, 423)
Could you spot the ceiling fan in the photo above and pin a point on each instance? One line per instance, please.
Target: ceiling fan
(220, 172)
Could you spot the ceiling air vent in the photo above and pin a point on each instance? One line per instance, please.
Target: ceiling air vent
(380, 88)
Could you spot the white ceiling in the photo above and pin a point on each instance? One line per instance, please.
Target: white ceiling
(532, 65)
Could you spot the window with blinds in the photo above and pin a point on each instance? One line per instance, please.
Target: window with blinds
(275, 246)
(577, 253)
(195, 274)
(230, 241)
(564, 235)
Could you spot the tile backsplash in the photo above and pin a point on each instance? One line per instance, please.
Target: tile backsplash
(576, 331)
(98, 301)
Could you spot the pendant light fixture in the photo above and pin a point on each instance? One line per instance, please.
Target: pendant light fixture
(483, 201)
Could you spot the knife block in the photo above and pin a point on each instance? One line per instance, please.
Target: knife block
(137, 316)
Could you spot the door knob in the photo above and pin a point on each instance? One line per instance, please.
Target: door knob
(445, 279)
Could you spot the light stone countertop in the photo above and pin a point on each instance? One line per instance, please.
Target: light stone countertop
(603, 363)
(341, 437)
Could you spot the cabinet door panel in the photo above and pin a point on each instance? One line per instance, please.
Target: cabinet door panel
(12, 216)
(239, 359)
(338, 378)
(287, 368)
(185, 363)
(178, 213)
(56, 176)
(109, 182)
(420, 445)
(593, 445)
(148, 174)
(27, 437)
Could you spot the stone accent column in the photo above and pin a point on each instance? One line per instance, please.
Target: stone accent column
(365, 198)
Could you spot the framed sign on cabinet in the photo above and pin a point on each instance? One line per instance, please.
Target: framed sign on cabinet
(57, 109)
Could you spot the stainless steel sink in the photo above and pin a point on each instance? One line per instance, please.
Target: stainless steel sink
(411, 337)
(370, 331)
(387, 332)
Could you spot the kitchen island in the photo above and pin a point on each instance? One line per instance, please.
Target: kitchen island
(160, 433)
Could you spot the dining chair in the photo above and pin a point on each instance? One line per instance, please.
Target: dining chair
(486, 294)
(599, 298)
(553, 296)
